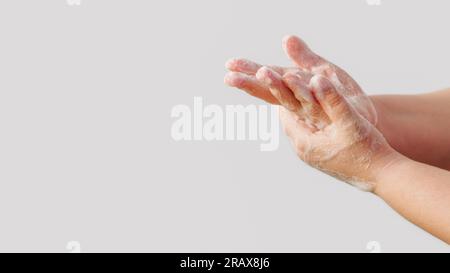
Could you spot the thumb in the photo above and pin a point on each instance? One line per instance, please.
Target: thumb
(300, 54)
(333, 103)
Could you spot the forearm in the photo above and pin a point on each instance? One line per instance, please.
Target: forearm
(418, 126)
(419, 192)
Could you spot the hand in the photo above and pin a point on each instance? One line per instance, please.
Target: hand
(347, 146)
(325, 113)
(243, 76)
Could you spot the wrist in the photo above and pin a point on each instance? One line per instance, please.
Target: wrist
(390, 167)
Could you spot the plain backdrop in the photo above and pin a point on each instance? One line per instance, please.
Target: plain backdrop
(86, 153)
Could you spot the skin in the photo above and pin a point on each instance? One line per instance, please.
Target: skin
(417, 125)
(392, 145)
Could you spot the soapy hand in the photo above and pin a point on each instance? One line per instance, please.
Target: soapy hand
(340, 141)
(243, 76)
(328, 118)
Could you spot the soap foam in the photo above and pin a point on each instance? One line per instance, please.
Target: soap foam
(331, 140)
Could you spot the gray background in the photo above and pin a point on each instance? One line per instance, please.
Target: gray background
(85, 147)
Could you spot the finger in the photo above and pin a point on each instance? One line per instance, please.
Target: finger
(313, 111)
(300, 54)
(299, 86)
(243, 66)
(278, 88)
(250, 85)
(304, 57)
(333, 103)
(340, 79)
(249, 67)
